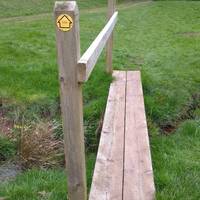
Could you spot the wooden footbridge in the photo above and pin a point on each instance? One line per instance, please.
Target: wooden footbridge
(123, 169)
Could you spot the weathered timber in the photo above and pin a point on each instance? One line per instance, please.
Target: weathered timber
(90, 57)
(68, 47)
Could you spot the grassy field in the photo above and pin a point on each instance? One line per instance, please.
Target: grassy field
(30, 7)
(33, 7)
(159, 38)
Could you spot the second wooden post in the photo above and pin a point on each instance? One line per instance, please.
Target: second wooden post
(68, 47)
(109, 47)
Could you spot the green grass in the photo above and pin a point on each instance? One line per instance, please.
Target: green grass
(7, 148)
(30, 7)
(38, 184)
(161, 39)
(169, 59)
(34, 7)
(176, 161)
(38, 91)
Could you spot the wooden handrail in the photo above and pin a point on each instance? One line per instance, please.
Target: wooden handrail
(88, 60)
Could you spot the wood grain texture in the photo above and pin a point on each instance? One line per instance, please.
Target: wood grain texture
(90, 57)
(123, 168)
(68, 47)
(138, 173)
(108, 174)
(109, 45)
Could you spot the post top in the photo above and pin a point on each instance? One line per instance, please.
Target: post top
(65, 6)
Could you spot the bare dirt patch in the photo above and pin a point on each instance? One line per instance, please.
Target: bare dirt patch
(190, 34)
(9, 171)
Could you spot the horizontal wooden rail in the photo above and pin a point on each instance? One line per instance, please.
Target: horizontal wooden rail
(90, 57)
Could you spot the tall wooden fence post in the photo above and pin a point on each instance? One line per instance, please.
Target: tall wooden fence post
(109, 47)
(68, 47)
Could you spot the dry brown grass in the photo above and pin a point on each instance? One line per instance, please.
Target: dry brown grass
(38, 147)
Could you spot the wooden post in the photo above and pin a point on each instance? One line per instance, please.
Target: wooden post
(109, 48)
(68, 47)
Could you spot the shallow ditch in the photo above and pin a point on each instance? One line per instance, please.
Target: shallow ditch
(187, 113)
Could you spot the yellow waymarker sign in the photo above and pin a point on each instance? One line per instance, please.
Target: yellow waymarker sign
(64, 22)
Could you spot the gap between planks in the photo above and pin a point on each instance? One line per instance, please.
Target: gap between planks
(123, 170)
(138, 172)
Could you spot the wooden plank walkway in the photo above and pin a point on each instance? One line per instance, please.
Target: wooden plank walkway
(123, 169)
